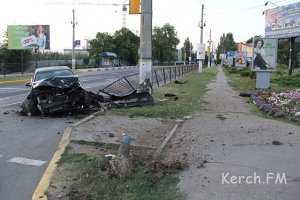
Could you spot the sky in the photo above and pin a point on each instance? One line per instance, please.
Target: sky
(243, 18)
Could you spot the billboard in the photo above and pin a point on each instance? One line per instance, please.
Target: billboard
(264, 54)
(200, 51)
(283, 22)
(28, 36)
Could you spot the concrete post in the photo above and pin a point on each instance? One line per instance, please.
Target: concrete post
(201, 37)
(73, 41)
(145, 62)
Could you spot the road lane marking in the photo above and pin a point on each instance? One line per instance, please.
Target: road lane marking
(5, 88)
(26, 161)
(10, 97)
(11, 104)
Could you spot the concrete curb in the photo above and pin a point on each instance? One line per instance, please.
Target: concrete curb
(42, 187)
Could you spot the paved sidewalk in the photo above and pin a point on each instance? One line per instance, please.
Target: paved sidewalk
(229, 138)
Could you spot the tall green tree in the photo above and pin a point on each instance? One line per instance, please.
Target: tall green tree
(188, 48)
(165, 41)
(126, 45)
(225, 44)
(229, 43)
(103, 42)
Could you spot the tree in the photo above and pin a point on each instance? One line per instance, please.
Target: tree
(226, 44)
(188, 49)
(165, 41)
(126, 45)
(229, 43)
(103, 42)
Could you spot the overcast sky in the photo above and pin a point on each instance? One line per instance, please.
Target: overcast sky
(241, 17)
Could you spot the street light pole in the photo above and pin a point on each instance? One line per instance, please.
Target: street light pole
(145, 62)
(201, 37)
(209, 50)
(73, 41)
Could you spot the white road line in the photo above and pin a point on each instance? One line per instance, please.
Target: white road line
(10, 97)
(13, 88)
(26, 161)
(11, 104)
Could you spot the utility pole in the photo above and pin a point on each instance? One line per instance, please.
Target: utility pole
(146, 44)
(73, 41)
(201, 37)
(124, 17)
(209, 50)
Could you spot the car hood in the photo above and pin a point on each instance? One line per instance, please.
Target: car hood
(60, 82)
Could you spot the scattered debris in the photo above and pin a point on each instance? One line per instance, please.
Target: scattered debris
(124, 93)
(180, 82)
(111, 135)
(110, 156)
(58, 133)
(187, 117)
(170, 96)
(246, 94)
(221, 117)
(275, 142)
(5, 113)
(63, 94)
(179, 121)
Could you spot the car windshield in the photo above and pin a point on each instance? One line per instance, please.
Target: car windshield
(47, 74)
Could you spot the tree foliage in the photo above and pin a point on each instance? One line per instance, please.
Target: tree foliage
(165, 41)
(126, 45)
(226, 43)
(123, 42)
(103, 42)
(187, 49)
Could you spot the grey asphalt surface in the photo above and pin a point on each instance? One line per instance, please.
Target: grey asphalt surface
(34, 138)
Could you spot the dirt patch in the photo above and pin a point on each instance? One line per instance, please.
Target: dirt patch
(144, 132)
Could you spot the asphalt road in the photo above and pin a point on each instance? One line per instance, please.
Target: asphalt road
(28, 143)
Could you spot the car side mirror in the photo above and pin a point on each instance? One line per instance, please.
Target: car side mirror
(28, 84)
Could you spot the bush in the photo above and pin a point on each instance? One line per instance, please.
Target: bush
(245, 73)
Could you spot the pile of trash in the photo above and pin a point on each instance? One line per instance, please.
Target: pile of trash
(64, 94)
(279, 104)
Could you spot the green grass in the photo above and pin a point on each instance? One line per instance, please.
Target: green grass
(243, 80)
(189, 98)
(90, 181)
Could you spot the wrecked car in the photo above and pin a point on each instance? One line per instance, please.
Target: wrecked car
(56, 90)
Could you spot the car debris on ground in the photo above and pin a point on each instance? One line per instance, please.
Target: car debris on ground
(63, 94)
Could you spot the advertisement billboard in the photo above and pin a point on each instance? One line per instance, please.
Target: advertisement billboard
(28, 36)
(264, 54)
(283, 22)
(200, 51)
